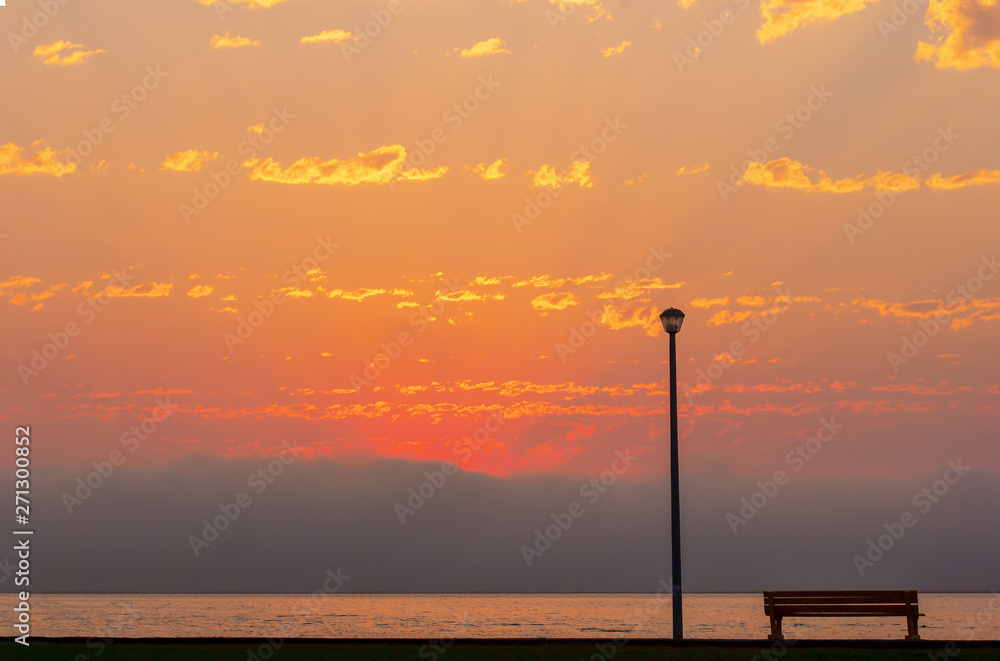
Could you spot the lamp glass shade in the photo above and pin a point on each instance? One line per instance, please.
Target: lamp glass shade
(672, 318)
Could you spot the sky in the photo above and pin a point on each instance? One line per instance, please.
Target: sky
(373, 246)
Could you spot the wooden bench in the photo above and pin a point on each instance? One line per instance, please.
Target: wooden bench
(842, 603)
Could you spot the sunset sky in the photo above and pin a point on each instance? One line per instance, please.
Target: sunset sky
(429, 230)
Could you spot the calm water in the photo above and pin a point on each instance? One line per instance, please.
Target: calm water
(948, 616)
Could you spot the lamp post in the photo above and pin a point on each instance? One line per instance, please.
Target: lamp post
(672, 319)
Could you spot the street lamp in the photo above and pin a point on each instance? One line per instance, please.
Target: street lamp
(672, 319)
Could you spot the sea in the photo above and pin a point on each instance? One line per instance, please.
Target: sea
(445, 616)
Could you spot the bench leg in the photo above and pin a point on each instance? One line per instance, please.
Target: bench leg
(911, 628)
(775, 629)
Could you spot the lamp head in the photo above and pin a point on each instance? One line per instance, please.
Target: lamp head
(672, 318)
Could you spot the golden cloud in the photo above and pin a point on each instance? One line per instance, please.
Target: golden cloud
(566, 7)
(52, 54)
(495, 170)
(554, 301)
(577, 173)
(635, 288)
(967, 34)
(971, 178)
(200, 290)
(705, 303)
(694, 169)
(493, 46)
(231, 41)
(616, 51)
(546, 281)
(783, 16)
(384, 165)
(786, 173)
(633, 315)
(147, 290)
(335, 36)
(43, 161)
(728, 317)
(191, 160)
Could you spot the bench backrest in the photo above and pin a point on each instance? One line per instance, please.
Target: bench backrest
(831, 602)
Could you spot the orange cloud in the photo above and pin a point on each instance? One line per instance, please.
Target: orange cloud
(967, 34)
(566, 7)
(44, 161)
(971, 178)
(191, 160)
(554, 301)
(231, 41)
(633, 315)
(52, 54)
(694, 169)
(200, 290)
(635, 288)
(384, 165)
(147, 290)
(546, 281)
(786, 173)
(335, 36)
(616, 51)
(729, 317)
(493, 46)
(705, 303)
(783, 16)
(495, 170)
(577, 173)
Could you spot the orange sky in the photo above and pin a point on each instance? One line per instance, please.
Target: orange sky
(235, 207)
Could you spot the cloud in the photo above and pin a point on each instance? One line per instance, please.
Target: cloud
(147, 290)
(52, 54)
(495, 170)
(633, 315)
(967, 34)
(335, 36)
(597, 10)
(635, 288)
(786, 173)
(200, 290)
(493, 46)
(546, 281)
(783, 16)
(694, 169)
(635, 181)
(228, 41)
(616, 51)
(705, 303)
(971, 178)
(684, 4)
(191, 160)
(729, 317)
(384, 165)
(43, 161)
(577, 173)
(554, 301)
